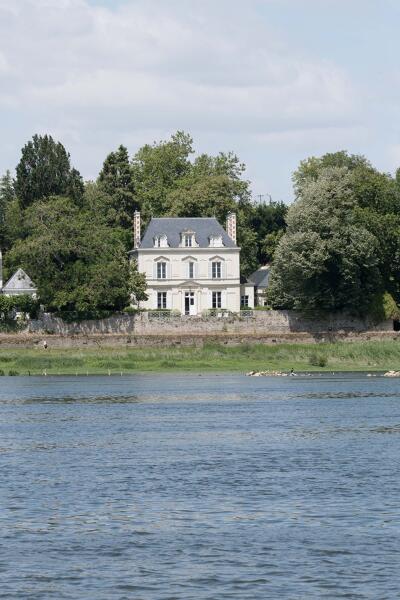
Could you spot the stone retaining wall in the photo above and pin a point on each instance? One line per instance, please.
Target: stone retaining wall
(251, 322)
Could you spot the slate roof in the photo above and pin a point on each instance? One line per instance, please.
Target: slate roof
(19, 281)
(172, 227)
(260, 277)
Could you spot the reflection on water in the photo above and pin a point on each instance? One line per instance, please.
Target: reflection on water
(185, 487)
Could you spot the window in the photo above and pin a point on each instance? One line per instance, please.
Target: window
(188, 240)
(162, 299)
(215, 241)
(216, 270)
(191, 270)
(217, 299)
(161, 270)
(161, 241)
(244, 301)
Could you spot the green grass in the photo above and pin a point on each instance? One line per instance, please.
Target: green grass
(340, 356)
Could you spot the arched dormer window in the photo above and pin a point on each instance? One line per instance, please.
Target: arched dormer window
(188, 239)
(215, 241)
(161, 241)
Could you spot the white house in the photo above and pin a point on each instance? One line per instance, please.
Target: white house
(191, 264)
(20, 283)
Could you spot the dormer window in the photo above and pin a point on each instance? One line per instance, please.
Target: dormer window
(188, 239)
(161, 241)
(215, 241)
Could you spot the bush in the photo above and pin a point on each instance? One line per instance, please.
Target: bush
(317, 360)
(12, 373)
(1, 373)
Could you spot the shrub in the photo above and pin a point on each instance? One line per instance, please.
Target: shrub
(317, 360)
(1, 373)
(12, 373)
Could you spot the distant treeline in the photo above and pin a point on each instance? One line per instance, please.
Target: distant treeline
(336, 248)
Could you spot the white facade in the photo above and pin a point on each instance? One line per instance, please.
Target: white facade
(191, 266)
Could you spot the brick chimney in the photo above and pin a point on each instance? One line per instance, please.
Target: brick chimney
(136, 229)
(231, 226)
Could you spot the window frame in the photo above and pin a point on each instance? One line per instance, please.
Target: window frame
(161, 270)
(161, 300)
(216, 269)
(216, 299)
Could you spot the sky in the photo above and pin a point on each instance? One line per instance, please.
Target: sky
(274, 81)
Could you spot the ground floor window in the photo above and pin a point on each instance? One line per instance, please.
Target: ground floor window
(161, 299)
(217, 299)
(244, 301)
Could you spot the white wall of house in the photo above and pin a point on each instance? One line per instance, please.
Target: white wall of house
(202, 290)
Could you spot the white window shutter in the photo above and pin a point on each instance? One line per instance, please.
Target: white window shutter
(223, 299)
(210, 270)
(223, 269)
(154, 270)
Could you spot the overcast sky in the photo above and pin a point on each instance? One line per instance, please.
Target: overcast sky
(273, 80)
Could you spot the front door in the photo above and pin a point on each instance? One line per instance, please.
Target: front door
(190, 307)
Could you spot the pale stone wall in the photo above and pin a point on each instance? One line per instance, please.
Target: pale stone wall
(248, 322)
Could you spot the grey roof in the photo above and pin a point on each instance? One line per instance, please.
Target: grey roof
(172, 227)
(260, 277)
(19, 281)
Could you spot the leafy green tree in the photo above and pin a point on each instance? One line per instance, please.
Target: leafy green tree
(78, 262)
(116, 180)
(137, 283)
(6, 197)
(376, 199)
(326, 261)
(156, 169)
(44, 170)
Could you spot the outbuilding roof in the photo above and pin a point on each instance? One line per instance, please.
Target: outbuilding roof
(172, 227)
(260, 277)
(20, 281)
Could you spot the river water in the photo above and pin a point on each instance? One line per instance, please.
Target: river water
(181, 487)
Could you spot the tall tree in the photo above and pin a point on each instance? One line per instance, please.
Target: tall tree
(156, 170)
(116, 180)
(45, 170)
(78, 262)
(7, 196)
(326, 261)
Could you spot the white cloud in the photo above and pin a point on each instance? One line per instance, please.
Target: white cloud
(98, 76)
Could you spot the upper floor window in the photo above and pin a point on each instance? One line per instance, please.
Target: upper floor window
(191, 270)
(161, 241)
(216, 270)
(215, 241)
(188, 240)
(161, 270)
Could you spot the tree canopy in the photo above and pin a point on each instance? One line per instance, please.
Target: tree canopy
(330, 258)
(45, 170)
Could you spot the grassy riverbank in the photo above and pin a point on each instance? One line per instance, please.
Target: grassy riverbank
(354, 356)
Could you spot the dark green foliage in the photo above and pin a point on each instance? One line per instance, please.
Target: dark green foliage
(45, 170)
(24, 304)
(78, 263)
(7, 197)
(326, 261)
(115, 179)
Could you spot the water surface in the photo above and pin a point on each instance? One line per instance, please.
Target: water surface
(187, 487)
